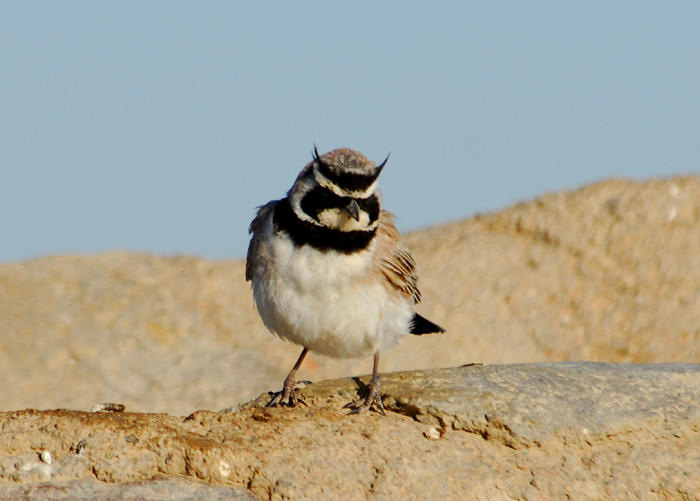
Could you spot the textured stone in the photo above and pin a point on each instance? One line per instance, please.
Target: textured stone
(524, 431)
(523, 405)
(162, 489)
(608, 272)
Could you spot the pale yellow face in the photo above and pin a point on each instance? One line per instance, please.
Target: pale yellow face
(339, 219)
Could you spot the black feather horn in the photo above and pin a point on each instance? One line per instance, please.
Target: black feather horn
(381, 165)
(317, 157)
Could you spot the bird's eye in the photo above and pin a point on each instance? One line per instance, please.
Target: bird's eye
(321, 198)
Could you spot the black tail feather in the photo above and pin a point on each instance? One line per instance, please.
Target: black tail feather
(421, 325)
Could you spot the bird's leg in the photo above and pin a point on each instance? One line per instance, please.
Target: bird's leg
(374, 396)
(286, 396)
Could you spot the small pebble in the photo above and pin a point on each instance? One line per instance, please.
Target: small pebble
(432, 433)
(46, 457)
(224, 469)
(108, 407)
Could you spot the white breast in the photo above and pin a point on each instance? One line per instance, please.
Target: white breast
(326, 301)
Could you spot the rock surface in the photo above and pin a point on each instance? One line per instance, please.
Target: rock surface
(609, 272)
(522, 431)
(157, 489)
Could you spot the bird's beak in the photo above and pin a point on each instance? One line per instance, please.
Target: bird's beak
(353, 209)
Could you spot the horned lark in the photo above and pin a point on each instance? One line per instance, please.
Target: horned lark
(329, 271)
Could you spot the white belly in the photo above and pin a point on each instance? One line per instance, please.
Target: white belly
(325, 302)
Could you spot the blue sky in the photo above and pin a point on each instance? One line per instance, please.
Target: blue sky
(159, 126)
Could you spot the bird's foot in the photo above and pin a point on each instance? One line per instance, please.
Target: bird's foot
(288, 397)
(374, 397)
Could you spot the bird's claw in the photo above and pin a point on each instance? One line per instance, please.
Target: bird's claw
(288, 396)
(373, 398)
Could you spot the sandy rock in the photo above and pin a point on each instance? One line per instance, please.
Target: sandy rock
(158, 489)
(524, 431)
(608, 272)
(521, 404)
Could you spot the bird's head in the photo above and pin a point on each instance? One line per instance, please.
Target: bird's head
(338, 190)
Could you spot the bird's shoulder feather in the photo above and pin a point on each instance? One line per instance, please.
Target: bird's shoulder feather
(395, 260)
(255, 230)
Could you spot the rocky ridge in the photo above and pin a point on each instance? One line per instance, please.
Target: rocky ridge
(521, 431)
(608, 272)
(605, 273)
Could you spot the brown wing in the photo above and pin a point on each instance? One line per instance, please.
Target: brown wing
(255, 230)
(395, 260)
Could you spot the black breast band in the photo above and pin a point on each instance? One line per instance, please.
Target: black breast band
(319, 237)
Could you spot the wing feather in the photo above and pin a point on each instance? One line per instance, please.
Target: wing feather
(395, 260)
(255, 230)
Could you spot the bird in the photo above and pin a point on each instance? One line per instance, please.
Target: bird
(329, 272)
